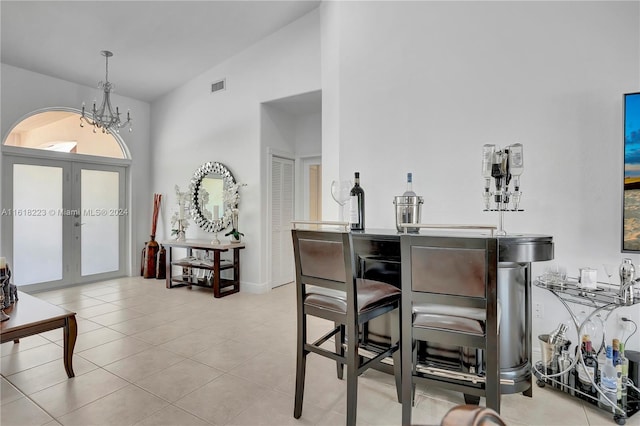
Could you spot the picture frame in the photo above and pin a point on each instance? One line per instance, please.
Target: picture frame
(631, 178)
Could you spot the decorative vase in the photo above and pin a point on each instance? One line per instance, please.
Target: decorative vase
(234, 226)
(161, 265)
(151, 252)
(234, 219)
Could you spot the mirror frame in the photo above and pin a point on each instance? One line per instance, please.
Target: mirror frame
(228, 179)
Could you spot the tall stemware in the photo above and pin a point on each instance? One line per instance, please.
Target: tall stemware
(340, 191)
(609, 269)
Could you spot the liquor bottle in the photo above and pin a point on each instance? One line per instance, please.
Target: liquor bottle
(623, 361)
(563, 365)
(615, 346)
(516, 162)
(609, 380)
(409, 192)
(487, 161)
(516, 167)
(488, 151)
(357, 205)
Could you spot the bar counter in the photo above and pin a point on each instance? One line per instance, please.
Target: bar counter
(378, 252)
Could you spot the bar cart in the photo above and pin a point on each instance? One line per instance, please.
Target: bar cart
(604, 302)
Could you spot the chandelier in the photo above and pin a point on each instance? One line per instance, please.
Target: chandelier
(104, 117)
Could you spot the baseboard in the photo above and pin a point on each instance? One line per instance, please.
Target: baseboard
(254, 288)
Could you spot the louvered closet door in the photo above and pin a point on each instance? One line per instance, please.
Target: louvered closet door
(282, 202)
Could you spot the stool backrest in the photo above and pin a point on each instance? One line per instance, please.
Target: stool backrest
(451, 270)
(324, 259)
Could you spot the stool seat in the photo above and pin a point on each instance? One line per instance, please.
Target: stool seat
(371, 294)
(449, 322)
(454, 318)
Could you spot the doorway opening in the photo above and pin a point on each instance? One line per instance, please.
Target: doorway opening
(291, 138)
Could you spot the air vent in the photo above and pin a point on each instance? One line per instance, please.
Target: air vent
(218, 86)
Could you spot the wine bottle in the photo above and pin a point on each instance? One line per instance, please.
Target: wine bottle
(409, 192)
(588, 374)
(357, 205)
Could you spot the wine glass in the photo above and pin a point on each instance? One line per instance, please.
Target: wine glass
(609, 269)
(340, 191)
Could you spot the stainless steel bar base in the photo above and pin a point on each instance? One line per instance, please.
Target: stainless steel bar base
(379, 252)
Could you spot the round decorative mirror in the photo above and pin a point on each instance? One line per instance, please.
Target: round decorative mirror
(209, 206)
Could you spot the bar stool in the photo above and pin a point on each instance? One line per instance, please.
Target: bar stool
(449, 296)
(327, 287)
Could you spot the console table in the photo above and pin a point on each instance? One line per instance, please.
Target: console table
(30, 315)
(204, 272)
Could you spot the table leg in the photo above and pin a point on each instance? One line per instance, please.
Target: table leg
(70, 334)
(216, 273)
(236, 269)
(168, 267)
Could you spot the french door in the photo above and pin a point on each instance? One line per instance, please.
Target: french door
(66, 221)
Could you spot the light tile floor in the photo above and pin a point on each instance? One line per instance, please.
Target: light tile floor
(146, 355)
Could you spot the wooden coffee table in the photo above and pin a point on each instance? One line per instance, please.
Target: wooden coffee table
(30, 315)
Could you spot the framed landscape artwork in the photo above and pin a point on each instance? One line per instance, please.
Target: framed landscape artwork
(631, 193)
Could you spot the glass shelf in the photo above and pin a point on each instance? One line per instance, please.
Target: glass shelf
(600, 296)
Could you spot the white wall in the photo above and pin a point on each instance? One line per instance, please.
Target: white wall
(278, 129)
(192, 126)
(309, 135)
(23, 92)
(421, 86)
(300, 135)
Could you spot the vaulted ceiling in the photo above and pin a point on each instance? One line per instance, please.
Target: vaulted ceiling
(157, 45)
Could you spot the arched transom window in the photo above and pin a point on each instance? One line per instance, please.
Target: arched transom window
(60, 131)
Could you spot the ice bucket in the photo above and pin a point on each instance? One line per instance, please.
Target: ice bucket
(408, 211)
